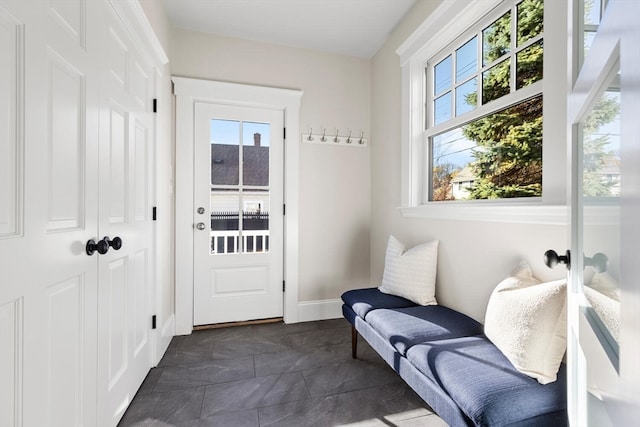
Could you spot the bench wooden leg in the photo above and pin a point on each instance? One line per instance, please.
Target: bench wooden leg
(354, 342)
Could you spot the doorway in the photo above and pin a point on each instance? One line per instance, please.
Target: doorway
(238, 214)
(191, 93)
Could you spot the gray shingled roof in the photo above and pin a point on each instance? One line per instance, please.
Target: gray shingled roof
(224, 165)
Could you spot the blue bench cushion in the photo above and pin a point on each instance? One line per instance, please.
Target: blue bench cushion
(405, 327)
(484, 384)
(362, 301)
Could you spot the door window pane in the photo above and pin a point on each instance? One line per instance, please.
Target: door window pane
(601, 148)
(255, 153)
(601, 186)
(225, 149)
(225, 221)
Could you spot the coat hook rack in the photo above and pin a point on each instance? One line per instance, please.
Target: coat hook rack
(335, 138)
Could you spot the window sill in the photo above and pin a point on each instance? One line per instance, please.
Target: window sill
(517, 213)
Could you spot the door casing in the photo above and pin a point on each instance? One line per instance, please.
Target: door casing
(187, 92)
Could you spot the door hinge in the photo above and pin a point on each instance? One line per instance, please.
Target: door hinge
(153, 321)
(284, 285)
(155, 105)
(284, 133)
(154, 216)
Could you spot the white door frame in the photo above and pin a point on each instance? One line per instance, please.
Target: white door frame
(187, 92)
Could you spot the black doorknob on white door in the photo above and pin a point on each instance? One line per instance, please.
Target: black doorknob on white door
(100, 246)
(116, 243)
(551, 259)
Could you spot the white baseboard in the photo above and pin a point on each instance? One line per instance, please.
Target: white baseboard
(319, 310)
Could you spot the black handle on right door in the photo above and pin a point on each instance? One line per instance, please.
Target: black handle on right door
(116, 243)
(101, 246)
(551, 259)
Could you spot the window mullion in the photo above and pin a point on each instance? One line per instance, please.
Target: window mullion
(513, 47)
(483, 110)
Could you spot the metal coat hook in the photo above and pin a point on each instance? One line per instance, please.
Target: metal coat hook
(310, 138)
(335, 138)
(348, 141)
(361, 140)
(323, 138)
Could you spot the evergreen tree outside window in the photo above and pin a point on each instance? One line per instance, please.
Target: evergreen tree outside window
(484, 109)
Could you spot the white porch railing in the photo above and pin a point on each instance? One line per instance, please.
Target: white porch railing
(227, 241)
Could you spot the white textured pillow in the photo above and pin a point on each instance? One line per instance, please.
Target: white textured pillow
(411, 274)
(526, 320)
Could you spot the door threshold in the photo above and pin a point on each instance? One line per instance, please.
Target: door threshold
(242, 323)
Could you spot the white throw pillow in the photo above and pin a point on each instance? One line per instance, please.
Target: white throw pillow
(526, 320)
(411, 274)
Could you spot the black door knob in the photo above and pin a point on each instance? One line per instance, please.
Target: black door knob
(101, 246)
(551, 259)
(116, 243)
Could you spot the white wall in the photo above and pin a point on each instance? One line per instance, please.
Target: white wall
(474, 256)
(334, 181)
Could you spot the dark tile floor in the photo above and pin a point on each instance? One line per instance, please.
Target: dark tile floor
(275, 375)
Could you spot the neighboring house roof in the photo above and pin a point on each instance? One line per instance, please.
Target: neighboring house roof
(225, 165)
(464, 175)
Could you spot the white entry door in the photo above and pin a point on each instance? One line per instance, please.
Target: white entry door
(604, 297)
(238, 213)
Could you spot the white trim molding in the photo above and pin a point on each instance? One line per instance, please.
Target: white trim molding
(309, 311)
(136, 22)
(189, 91)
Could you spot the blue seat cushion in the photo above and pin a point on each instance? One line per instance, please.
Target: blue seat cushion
(405, 327)
(362, 301)
(486, 387)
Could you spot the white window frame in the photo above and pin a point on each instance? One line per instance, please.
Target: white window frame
(448, 23)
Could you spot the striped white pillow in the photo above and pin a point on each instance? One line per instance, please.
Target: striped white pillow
(411, 274)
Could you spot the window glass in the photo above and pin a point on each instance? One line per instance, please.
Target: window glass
(529, 65)
(601, 147)
(467, 60)
(442, 76)
(466, 97)
(442, 108)
(496, 81)
(530, 20)
(494, 157)
(225, 146)
(496, 39)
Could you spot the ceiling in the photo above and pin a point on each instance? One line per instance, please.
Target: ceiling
(347, 27)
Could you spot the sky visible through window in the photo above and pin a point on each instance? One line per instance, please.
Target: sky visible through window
(227, 132)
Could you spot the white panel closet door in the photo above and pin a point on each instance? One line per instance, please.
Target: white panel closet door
(124, 285)
(76, 152)
(48, 199)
